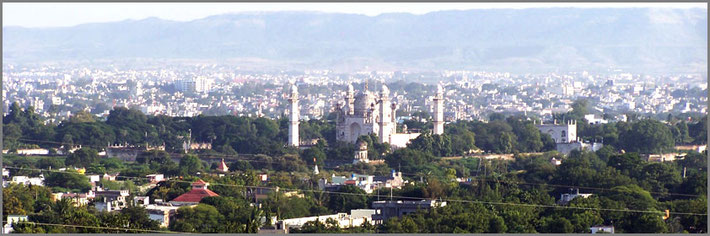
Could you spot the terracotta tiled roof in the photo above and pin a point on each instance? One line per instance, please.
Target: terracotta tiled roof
(195, 195)
(199, 182)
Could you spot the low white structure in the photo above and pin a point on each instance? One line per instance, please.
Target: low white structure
(567, 197)
(394, 180)
(11, 219)
(94, 178)
(356, 218)
(364, 182)
(595, 120)
(602, 229)
(389, 209)
(368, 183)
(155, 178)
(141, 200)
(263, 177)
(24, 180)
(664, 157)
(162, 213)
(111, 200)
(30, 151)
(696, 148)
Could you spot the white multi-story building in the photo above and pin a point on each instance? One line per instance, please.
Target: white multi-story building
(356, 218)
(199, 84)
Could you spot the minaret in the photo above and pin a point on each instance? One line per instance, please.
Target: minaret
(384, 115)
(350, 98)
(293, 124)
(439, 110)
(315, 169)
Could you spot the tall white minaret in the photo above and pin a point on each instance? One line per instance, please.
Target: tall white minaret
(385, 130)
(439, 110)
(350, 99)
(294, 114)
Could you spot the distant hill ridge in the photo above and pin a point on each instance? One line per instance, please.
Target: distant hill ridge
(545, 39)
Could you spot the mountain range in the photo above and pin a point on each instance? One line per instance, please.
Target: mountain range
(641, 40)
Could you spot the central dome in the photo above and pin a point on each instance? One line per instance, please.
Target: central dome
(363, 101)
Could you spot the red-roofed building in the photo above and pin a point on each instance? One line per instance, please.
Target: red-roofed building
(194, 196)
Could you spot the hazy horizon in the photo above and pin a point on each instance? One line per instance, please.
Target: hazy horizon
(73, 14)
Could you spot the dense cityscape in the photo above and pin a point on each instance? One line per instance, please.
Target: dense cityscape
(57, 92)
(180, 145)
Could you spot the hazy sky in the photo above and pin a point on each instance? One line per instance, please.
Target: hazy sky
(69, 14)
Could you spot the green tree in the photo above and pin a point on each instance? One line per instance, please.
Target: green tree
(238, 215)
(462, 140)
(130, 125)
(190, 165)
(69, 179)
(352, 198)
(82, 117)
(153, 156)
(647, 136)
(556, 225)
(11, 135)
(200, 219)
(314, 153)
(83, 157)
(659, 177)
(49, 163)
(410, 161)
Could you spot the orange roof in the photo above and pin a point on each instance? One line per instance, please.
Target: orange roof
(195, 195)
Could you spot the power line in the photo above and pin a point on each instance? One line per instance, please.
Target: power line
(420, 174)
(171, 153)
(418, 198)
(581, 187)
(94, 227)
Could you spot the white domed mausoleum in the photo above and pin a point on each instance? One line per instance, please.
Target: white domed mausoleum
(367, 113)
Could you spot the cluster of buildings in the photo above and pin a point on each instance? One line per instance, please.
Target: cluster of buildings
(57, 92)
(368, 183)
(113, 200)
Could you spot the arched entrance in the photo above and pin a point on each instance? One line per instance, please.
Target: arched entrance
(354, 131)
